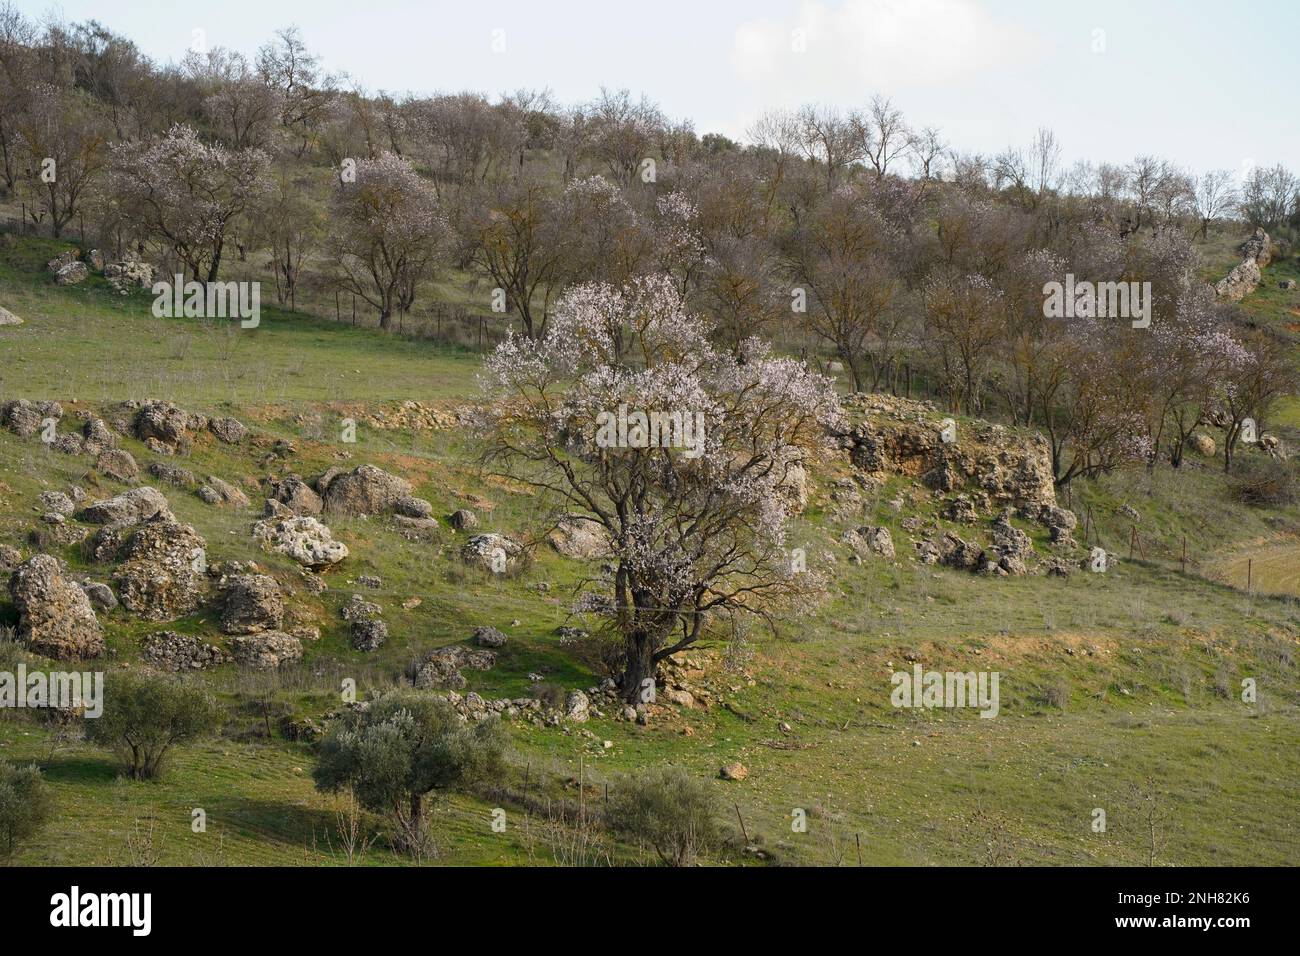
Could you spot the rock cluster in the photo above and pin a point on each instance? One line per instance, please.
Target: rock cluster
(168, 650)
(442, 668)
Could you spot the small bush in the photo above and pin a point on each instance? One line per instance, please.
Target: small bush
(144, 717)
(25, 805)
(667, 809)
(1266, 483)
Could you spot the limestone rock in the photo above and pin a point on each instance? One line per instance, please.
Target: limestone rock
(55, 617)
(367, 490)
(253, 603)
(305, 539)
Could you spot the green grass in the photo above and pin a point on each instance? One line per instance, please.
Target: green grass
(1114, 687)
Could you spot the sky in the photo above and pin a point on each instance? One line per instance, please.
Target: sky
(1200, 83)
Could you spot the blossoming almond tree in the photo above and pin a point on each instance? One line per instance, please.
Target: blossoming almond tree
(698, 535)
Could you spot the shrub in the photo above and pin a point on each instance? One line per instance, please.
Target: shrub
(668, 809)
(25, 805)
(1266, 483)
(399, 749)
(144, 717)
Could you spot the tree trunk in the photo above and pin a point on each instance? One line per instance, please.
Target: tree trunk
(638, 666)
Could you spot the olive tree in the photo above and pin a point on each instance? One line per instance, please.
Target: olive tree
(25, 805)
(396, 751)
(145, 717)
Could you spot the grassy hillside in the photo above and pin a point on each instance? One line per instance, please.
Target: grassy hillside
(1119, 691)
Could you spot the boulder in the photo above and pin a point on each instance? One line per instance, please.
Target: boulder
(733, 771)
(173, 475)
(129, 274)
(1258, 248)
(8, 318)
(101, 596)
(463, 520)
(577, 708)
(118, 464)
(266, 650)
(55, 617)
(1202, 444)
(369, 635)
(366, 490)
(166, 427)
(489, 637)
(164, 572)
(412, 507)
(576, 536)
(1240, 282)
(296, 495)
(305, 539)
(229, 430)
(491, 552)
(253, 603)
(130, 507)
(97, 437)
(57, 502)
(73, 273)
(219, 492)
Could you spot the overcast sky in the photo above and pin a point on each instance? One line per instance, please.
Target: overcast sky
(1203, 83)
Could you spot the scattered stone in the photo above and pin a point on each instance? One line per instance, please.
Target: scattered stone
(871, 540)
(413, 507)
(73, 273)
(734, 771)
(577, 536)
(577, 707)
(173, 475)
(57, 502)
(25, 418)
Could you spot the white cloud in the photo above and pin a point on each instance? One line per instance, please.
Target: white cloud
(861, 46)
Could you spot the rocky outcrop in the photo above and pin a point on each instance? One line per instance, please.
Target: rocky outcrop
(25, 418)
(871, 541)
(305, 539)
(895, 436)
(55, 617)
(1245, 277)
(229, 430)
(164, 572)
